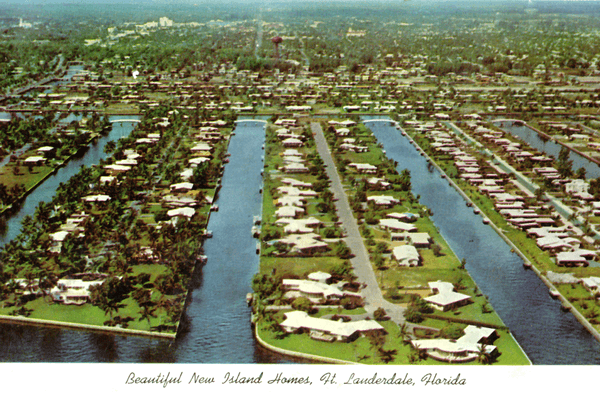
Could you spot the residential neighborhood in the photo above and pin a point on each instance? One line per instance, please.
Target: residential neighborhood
(373, 184)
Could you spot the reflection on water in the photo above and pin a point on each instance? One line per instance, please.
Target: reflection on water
(549, 147)
(216, 325)
(547, 335)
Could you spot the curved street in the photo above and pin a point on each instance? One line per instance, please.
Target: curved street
(361, 262)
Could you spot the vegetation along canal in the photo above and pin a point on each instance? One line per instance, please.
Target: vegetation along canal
(550, 148)
(217, 320)
(548, 335)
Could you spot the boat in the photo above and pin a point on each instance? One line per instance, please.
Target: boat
(554, 293)
(258, 248)
(214, 208)
(526, 265)
(249, 299)
(486, 221)
(565, 308)
(208, 234)
(257, 220)
(476, 211)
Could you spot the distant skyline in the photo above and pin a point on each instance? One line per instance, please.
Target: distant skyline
(266, 2)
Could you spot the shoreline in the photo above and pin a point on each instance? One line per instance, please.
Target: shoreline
(83, 327)
(526, 260)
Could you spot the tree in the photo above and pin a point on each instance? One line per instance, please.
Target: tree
(143, 297)
(302, 304)
(109, 295)
(564, 165)
(380, 314)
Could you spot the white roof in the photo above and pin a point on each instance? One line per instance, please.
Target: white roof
(186, 211)
(395, 224)
(385, 200)
(59, 236)
(404, 253)
(97, 198)
(182, 185)
(297, 319)
(446, 294)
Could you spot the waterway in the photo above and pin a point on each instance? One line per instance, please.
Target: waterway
(550, 148)
(45, 191)
(547, 335)
(217, 319)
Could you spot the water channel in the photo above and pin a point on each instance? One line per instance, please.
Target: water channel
(546, 334)
(550, 148)
(46, 190)
(217, 319)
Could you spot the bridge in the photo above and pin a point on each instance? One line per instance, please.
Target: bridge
(125, 121)
(250, 120)
(507, 120)
(388, 120)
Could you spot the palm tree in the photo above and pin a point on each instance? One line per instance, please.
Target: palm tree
(482, 355)
(404, 333)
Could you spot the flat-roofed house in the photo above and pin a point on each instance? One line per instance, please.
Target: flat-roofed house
(328, 330)
(444, 297)
(464, 349)
(406, 255)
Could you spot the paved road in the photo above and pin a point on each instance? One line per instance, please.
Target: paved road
(361, 263)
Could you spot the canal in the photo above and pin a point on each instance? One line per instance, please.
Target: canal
(45, 191)
(550, 148)
(217, 319)
(548, 335)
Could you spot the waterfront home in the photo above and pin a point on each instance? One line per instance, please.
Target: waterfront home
(575, 258)
(406, 256)
(419, 240)
(553, 243)
(577, 186)
(328, 330)
(364, 168)
(378, 183)
(179, 201)
(116, 169)
(34, 160)
(466, 348)
(396, 225)
(316, 292)
(181, 187)
(592, 284)
(198, 160)
(299, 226)
(444, 297)
(305, 244)
(383, 201)
(353, 148)
(185, 212)
(73, 291)
(96, 198)
(201, 147)
(297, 201)
(289, 211)
(407, 217)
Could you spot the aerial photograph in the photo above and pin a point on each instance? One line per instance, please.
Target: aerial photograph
(388, 182)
